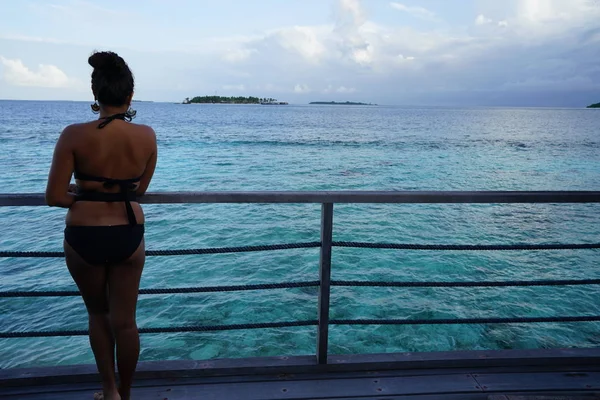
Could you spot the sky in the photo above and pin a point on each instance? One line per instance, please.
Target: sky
(542, 53)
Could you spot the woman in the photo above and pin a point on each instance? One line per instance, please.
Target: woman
(113, 162)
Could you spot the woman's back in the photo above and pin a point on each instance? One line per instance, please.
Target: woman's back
(121, 151)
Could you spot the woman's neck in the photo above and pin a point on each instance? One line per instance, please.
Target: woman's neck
(107, 111)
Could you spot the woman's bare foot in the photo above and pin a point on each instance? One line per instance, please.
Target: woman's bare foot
(108, 396)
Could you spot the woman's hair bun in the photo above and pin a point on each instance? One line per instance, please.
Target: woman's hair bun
(112, 80)
(106, 61)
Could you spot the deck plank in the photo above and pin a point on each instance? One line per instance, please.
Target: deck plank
(320, 389)
(267, 390)
(537, 397)
(539, 381)
(233, 380)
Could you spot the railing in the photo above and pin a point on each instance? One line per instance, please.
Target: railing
(327, 200)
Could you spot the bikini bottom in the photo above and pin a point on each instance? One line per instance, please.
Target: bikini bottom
(105, 245)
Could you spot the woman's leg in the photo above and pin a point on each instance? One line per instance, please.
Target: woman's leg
(92, 283)
(123, 287)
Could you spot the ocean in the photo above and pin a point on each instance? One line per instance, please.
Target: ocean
(302, 147)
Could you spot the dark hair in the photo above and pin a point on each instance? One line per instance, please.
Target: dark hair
(112, 80)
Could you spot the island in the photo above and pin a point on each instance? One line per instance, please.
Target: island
(597, 105)
(347, 103)
(232, 100)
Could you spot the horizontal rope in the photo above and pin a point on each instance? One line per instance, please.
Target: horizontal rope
(174, 329)
(213, 328)
(292, 285)
(289, 246)
(182, 252)
(32, 254)
(405, 246)
(472, 321)
(208, 289)
(466, 284)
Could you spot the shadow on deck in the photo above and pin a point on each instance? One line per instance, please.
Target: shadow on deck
(497, 375)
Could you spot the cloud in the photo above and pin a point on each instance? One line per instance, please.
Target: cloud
(363, 56)
(46, 76)
(482, 20)
(77, 9)
(348, 36)
(535, 9)
(238, 55)
(301, 89)
(418, 12)
(548, 16)
(401, 59)
(302, 41)
(351, 11)
(25, 38)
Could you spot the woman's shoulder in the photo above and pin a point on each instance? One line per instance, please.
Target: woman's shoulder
(144, 134)
(79, 126)
(76, 126)
(73, 128)
(145, 129)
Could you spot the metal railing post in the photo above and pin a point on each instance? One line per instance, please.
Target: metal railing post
(325, 281)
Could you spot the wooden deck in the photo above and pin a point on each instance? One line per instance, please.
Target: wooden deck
(559, 374)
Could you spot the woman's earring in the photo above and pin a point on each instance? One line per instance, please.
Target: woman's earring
(130, 113)
(95, 107)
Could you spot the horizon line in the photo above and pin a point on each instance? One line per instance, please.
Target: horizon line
(298, 104)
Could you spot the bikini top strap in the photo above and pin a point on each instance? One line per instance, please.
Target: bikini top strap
(129, 209)
(109, 119)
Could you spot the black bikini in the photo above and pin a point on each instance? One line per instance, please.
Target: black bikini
(105, 245)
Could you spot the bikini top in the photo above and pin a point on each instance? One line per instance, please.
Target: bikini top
(127, 186)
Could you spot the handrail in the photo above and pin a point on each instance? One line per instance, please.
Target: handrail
(422, 197)
(327, 199)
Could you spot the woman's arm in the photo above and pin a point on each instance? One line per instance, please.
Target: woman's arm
(59, 178)
(150, 166)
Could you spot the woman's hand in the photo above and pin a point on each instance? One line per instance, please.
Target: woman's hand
(72, 188)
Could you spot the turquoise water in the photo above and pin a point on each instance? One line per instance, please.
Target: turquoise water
(228, 147)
